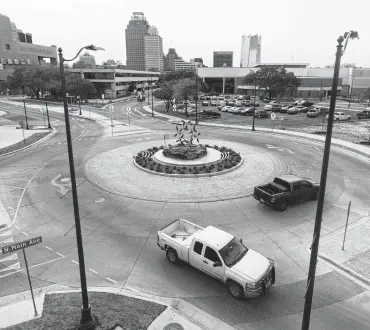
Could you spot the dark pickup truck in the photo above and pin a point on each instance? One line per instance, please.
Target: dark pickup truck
(286, 189)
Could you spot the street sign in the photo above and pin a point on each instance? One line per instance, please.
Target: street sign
(166, 136)
(21, 245)
(111, 108)
(102, 96)
(273, 116)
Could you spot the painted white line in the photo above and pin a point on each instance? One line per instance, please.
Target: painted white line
(4, 185)
(59, 142)
(75, 262)
(5, 194)
(24, 190)
(93, 271)
(317, 148)
(48, 248)
(25, 234)
(16, 227)
(110, 280)
(60, 255)
(33, 266)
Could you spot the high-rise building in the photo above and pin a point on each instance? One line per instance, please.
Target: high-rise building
(135, 32)
(222, 59)
(180, 65)
(251, 51)
(170, 59)
(198, 61)
(88, 60)
(153, 50)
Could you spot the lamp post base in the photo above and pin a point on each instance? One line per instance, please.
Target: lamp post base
(87, 321)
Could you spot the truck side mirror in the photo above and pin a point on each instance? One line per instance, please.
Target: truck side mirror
(217, 264)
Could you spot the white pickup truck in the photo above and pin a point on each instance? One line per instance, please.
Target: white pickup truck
(245, 272)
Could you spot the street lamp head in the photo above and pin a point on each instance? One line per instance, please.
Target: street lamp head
(351, 35)
(95, 48)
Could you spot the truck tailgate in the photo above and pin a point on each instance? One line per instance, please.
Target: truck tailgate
(262, 195)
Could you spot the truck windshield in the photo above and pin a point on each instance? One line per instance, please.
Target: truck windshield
(232, 252)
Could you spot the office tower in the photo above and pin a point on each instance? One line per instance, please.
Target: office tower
(222, 59)
(251, 51)
(153, 47)
(170, 59)
(136, 31)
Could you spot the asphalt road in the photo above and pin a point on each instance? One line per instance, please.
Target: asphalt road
(120, 233)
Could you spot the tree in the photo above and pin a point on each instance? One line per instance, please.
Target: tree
(275, 81)
(75, 85)
(177, 75)
(165, 93)
(185, 89)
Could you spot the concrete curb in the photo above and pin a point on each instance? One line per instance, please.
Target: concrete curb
(189, 175)
(189, 312)
(54, 130)
(345, 269)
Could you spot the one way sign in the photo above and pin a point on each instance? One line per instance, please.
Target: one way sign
(21, 245)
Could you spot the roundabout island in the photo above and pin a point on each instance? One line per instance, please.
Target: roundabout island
(184, 171)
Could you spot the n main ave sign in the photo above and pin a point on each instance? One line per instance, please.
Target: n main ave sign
(21, 245)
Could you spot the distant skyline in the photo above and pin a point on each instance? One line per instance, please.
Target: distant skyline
(299, 31)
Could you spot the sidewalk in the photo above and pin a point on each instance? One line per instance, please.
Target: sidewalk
(18, 308)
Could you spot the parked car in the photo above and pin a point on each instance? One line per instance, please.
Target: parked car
(237, 111)
(245, 272)
(285, 190)
(324, 110)
(313, 113)
(202, 97)
(205, 103)
(306, 103)
(214, 97)
(268, 107)
(240, 97)
(340, 116)
(284, 109)
(255, 103)
(247, 112)
(246, 103)
(292, 111)
(261, 114)
(363, 114)
(209, 114)
(213, 103)
(208, 98)
(220, 98)
(301, 108)
(232, 109)
(72, 109)
(265, 100)
(225, 108)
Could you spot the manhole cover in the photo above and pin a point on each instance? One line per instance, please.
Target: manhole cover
(173, 326)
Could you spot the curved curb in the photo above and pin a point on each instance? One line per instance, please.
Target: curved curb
(54, 130)
(190, 175)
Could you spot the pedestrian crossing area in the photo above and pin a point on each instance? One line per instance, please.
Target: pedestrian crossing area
(9, 262)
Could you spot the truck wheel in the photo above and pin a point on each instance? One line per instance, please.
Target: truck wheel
(282, 206)
(315, 195)
(172, 256)
(235, 290)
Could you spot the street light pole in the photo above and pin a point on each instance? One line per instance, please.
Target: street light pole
(148, 91)
(25, 110)
(324, 172)
(196, 96)
(254, 104)
(151, 83)
(87, 320)
(47, 113)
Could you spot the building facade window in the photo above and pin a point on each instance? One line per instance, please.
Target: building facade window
(7, 46)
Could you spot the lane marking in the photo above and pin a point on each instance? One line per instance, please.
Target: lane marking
(33, 266)
(48, 248)
(75, 262)
(61, 255)
(16, 227)
(4, 185)
(93, 271)
(25, 234)
(111, 280)
(5, 194)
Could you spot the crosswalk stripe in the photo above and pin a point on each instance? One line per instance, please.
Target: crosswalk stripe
(13, 256)
(12, 267)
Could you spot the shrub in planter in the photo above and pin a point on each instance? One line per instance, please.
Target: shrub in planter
(208, 170)
(196, 171)
(184, 168)
(140, 154)
(161, 147)
(216, 147)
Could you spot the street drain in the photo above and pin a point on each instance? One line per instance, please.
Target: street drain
(173, 326)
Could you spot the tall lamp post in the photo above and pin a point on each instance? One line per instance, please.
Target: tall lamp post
(151, 83)
(25, 110)
(147, 85)
(47, 113)
(324, 172)
(87, 321)
(254, 104)
(196, 95)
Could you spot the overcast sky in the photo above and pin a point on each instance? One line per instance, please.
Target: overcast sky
(302, 31)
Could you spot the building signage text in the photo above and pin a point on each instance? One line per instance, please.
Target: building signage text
(36, 50)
